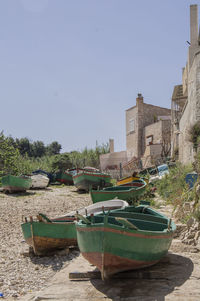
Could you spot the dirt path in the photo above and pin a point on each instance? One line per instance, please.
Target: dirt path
(175, 278)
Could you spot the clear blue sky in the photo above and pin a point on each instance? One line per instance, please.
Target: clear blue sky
(70, 68)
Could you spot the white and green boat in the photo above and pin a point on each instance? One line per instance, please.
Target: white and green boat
(91, 179)
(16, 183)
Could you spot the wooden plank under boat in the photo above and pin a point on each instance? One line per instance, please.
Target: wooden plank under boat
(86, 179)
(12, 183)
(126, 193)
(45, 235)
(128, 239)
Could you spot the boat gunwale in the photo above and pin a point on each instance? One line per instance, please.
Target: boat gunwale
(120, 228)
(131, 188)
(124, 231)
(100, 175)
(50, 223)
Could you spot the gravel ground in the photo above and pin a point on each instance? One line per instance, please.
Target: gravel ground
(21, 273)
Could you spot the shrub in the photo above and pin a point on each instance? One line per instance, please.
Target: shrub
(194, 135)
(173, 186)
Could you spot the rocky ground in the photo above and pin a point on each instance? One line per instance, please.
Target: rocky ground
(24, 274)
(19, 272)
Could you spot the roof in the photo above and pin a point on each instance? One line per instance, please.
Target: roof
(147, 104)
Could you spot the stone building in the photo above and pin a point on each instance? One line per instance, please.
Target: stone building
(186, 97)
(148, 134)
(112, 160)
(146, 125)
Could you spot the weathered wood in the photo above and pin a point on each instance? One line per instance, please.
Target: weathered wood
(157, 271)
(124, 275)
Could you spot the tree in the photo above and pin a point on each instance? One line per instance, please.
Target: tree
(54, 148)
(166, 144)
(24, 146)
(9, 157)
(61, 162)
(38, 149)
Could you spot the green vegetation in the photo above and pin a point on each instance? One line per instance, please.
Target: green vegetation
(173, 186)
(197, 214)
(20, 156)
(9, 156)
(176, 191)
(194, 135)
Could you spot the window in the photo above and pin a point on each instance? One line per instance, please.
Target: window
(131, 125)
(149, 140)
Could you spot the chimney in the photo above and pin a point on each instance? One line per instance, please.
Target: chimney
(111, 145)
(194, 28)
(139, 99)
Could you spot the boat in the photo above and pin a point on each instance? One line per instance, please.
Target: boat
(127, 239)
(128, 180)
(148, 171)
(66, 177)
(39, 181)
(135, 183)
(45, 235)
(87, 179)
(162, 171)
(98, 207)
(12, 183)
(127, 193)
(50, 175)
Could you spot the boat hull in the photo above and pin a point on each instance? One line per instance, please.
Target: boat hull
(16, 184)
(46, 237)
(65, 178)
(39, 181)
(128, 194)
(134, 183)
(114, 249)
(128, 180)
(86, 181)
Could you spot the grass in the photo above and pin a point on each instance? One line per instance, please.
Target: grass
(197, 214)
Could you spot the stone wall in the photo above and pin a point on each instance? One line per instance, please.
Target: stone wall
(132, 136)
(151, 113)
(143, 115)
(191, 113)
(113, 160)
(155, 130)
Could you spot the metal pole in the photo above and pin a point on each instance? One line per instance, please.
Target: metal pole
(120, 170)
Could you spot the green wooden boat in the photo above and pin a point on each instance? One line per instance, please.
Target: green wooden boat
(16, 183)
(128, 239)
(127, 193)
(85, 180)
(134, 183)
(64, 177)
(45, 235)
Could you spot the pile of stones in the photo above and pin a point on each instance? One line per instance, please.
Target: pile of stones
(188, 232)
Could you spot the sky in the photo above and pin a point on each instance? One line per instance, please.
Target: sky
(70, 68)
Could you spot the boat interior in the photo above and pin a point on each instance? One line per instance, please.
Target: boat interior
(131, 221)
